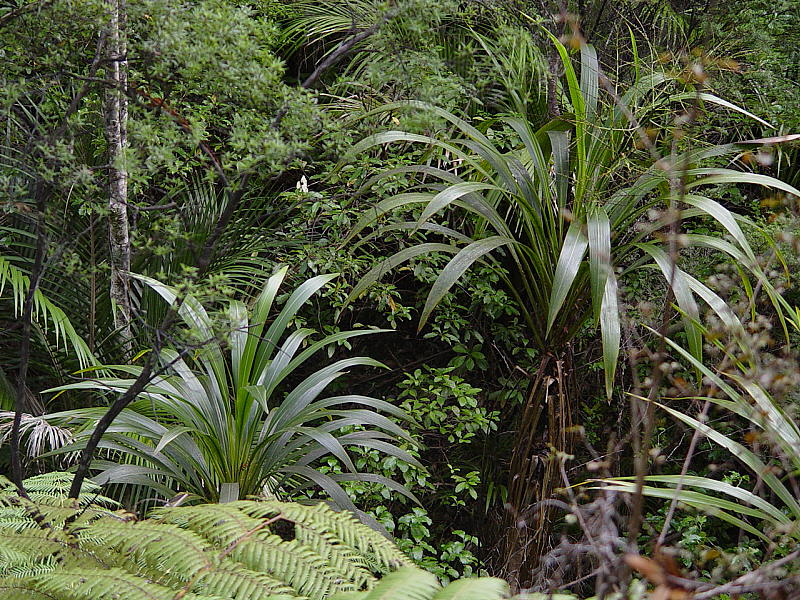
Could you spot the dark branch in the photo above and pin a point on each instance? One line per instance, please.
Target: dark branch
(341, 51)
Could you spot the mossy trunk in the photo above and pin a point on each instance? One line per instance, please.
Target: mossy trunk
(116, 133)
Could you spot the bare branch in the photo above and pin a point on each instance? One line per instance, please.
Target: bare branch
(343, 50)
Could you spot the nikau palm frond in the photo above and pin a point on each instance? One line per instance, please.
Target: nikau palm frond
(46, 314)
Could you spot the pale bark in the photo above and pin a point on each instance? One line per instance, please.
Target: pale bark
(116, 131)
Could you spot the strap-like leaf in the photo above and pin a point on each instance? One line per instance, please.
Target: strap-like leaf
(590, 79)
(385, 266)
(610, 332)
(450, 194)
(714, 176)
(456, 268)
(696, 500)
(676, 279)
(569, 262)
(746, 456)
(706, 97)
(599, 232)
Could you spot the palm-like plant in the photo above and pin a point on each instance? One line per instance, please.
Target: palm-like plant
(47, 316)
(567, 206)
(501, 66)
(217, 424)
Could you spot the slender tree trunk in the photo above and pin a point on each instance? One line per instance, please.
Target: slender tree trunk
(544, 429)
(116, 131)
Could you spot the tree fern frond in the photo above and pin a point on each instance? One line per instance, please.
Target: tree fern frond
(220, 524)
(323, 520)
(17, 589)
(175, 552)
(18, 563)
(342, 558)
(238, 583)
(302, 568)
(224, 524)
(53, 489)
(26, 514)
(33, 568)
(38, 544)
(244, 550)
(107, 584)
(483, 588)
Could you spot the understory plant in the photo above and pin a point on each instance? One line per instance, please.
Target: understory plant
(566, 211)
(58, 548)
(448, 424)
(238, 408)
(769, 449)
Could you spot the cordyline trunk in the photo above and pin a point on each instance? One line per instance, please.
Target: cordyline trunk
(116, 118)
(545, 429)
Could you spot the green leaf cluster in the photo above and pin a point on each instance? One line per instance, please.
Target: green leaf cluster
(54, 548)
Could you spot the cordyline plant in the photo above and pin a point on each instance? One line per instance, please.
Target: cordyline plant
(221, 422)
(566, 211)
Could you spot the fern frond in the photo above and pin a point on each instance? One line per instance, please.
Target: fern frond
(342, 558)
(17, 563)
(26, 514)
(18, 589)
(177, 553)
(33, 567)
(39, 544)
(53, 489)
(108, 584)
(299, 566)
(238, 583)
(482, 588)
(322, 520)
(243, 550)
(220, 524)
(10, 555)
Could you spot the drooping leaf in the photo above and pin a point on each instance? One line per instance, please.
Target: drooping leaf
(569, 262)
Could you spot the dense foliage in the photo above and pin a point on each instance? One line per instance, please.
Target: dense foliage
(53, 548)
(512, 282)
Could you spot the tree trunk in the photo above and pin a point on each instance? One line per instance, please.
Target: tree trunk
(116, 118)
(544, 429)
